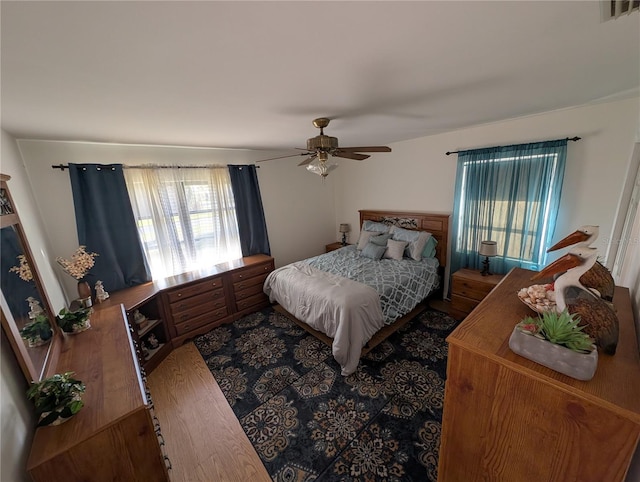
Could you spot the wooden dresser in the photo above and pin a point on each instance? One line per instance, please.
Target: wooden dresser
(198, 302)
(468, 288)
(186, 305)
(508, 419)
(113, 437)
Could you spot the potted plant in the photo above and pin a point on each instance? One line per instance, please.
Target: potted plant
(74, 321)
(557, 341)
(37, 332)
(56, 398)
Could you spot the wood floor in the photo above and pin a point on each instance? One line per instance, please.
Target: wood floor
(204, 440)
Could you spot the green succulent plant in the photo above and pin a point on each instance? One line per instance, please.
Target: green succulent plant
(56, 397)
(559, 328)
(36, 330)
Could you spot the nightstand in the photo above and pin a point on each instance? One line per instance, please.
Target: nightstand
(334, 246)
(468, 288)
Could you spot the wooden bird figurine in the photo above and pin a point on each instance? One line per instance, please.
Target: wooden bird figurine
(601, 322)
(598, 277)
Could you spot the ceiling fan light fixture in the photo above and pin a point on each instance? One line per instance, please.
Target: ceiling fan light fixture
(321, 168)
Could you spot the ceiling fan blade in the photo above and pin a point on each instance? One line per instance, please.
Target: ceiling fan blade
(366, 149)
(284, 157)
(350, 155)
(308, 161)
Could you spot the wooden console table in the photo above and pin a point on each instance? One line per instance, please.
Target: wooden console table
(508, 419)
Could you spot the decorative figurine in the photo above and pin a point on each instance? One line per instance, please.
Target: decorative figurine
(153, 341)
(101, 293)
(34, 307)
(139, 319)
(144, 350)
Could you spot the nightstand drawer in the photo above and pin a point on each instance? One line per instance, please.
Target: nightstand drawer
(471, 288)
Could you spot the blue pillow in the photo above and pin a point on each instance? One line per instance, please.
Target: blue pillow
(380, 240)
(429, 250)
(373, 226)
(373, 251)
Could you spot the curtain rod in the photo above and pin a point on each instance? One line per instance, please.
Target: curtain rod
(576, 138)
(62, 167)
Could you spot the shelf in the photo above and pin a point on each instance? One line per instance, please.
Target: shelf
(153, 351)
(148, 327)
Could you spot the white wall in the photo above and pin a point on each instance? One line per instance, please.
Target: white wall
(418, 175)
(298, 207)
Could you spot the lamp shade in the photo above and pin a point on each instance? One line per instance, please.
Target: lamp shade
(488, 248)
(344, 228)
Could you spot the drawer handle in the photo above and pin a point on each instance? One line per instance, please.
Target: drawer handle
(182, 305)
(239, 276)
(184, 317)
(240, 286)
(179, 295)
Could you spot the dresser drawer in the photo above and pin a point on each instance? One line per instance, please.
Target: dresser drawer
(246, 273)
(250, 283)
(198, 302)
(198, 310)
(251, 301)
(197, 322)
(194, 289)
(471, 288)
(250, 291)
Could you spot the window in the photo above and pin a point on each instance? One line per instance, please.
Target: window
(509, 195)
(186, 217)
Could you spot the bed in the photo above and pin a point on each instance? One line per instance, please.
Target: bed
(351, 298)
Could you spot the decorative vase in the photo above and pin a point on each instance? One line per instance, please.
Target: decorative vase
(581, 366)
(84, 293)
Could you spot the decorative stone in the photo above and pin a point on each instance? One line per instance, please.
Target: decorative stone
(581, 366)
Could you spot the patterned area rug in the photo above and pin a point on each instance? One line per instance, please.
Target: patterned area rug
(307, 422)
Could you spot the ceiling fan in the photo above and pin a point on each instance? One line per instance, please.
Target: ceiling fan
(320, 147)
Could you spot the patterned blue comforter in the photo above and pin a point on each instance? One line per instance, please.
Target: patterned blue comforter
(401, 284)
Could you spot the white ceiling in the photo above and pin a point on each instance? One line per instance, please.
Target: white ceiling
(255, 74)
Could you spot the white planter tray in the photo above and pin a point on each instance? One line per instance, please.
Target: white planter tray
(581, 366)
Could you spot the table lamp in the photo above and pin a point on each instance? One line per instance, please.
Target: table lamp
(488, 249)
(344, 229)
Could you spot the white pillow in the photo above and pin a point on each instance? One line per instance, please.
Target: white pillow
(395, 249)
(364, 238)
(416, 241)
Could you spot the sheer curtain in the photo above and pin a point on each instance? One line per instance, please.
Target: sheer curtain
(510, 195)
(186, 217)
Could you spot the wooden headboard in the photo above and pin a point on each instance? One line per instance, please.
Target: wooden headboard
(435, 223)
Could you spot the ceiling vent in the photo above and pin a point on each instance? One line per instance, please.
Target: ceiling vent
(616, 8)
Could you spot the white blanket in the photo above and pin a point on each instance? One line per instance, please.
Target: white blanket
(345, 310)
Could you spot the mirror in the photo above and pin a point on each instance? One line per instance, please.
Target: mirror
(23, 299)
